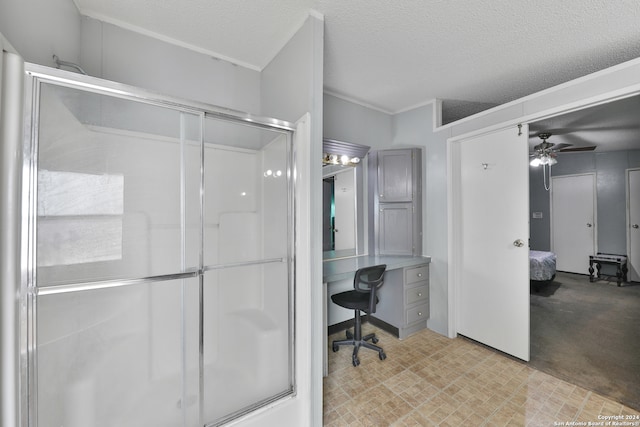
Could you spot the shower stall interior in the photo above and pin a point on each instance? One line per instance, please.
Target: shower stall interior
(157, 258)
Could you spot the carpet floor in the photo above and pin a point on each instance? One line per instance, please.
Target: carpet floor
(589, 334)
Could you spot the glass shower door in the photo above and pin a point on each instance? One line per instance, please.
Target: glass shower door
(248, 326)
(114, 295)
(159, 286)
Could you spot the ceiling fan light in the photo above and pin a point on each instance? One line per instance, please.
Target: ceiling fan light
(535, 162)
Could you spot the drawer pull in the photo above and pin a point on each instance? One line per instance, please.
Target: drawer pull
(419, 294)
(419, 274)
(419, 313)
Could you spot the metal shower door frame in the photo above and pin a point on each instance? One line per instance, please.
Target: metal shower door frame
(35, 76)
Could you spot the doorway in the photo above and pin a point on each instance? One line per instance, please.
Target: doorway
(596, 144)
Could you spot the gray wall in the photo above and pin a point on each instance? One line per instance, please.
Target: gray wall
(415, 128)
(291, 86)
(124, 56)
(106, 51)
(350, 122)
(40, 29)
(609, 168)
(347, 121)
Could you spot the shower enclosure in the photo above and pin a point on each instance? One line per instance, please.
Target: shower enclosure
(158, 275)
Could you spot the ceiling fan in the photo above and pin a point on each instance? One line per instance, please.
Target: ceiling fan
(545, 152)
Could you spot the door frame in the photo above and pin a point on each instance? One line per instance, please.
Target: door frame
(628, 216)
(453, 169)
(595, 209)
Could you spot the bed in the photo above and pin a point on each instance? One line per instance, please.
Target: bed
(542, 268)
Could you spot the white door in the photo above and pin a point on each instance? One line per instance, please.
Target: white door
(573, 225)
(633, 201)
(491, 233)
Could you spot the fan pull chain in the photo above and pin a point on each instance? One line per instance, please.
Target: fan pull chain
(547, 185)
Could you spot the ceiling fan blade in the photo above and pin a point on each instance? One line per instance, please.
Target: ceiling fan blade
(577, 149)
(559, 147)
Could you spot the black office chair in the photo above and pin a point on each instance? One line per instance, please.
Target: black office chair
(363, 297)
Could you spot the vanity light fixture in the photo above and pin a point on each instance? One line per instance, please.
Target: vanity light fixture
(339, 153)
(344, 160)
(273, 174)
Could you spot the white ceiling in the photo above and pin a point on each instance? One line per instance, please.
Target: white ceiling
(394, 55)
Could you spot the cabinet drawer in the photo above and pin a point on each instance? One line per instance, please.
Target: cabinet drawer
(416, 274)
(420, 312)
(416, 294)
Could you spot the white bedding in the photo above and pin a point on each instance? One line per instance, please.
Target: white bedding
(542, 265)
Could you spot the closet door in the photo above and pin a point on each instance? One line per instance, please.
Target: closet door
(573, 221)
(490, 239)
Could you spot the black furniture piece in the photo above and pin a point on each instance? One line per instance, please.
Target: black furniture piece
(619, 261)
(366, 283)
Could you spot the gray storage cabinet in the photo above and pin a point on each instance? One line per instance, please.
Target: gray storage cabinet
(395, 208)
(404, 299)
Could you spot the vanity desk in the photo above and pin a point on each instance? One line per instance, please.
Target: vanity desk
(404, 297)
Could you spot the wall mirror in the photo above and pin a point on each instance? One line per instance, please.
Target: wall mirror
(343, 203)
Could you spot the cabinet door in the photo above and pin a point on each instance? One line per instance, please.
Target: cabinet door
(395, 229)
(395, 176)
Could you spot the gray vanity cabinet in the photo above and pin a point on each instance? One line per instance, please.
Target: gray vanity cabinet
(395, 228)
(404, 299)
(395, 175)
(395, 202)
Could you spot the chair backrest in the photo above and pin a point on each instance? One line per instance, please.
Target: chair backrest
(369, 280)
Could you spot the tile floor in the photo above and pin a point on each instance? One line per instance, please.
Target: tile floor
(431, 380)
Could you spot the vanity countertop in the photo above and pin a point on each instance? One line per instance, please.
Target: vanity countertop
(343, 268)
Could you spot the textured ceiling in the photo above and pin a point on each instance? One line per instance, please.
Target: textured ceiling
(393, 55)
(611, 126)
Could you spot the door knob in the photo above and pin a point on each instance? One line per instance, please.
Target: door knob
(635, 225)
(589, 225)
(518, 243)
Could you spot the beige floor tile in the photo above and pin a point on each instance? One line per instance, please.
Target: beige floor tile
(431, 380)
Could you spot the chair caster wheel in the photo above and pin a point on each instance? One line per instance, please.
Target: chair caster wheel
(335, 348)
(374, 340)
(382, 355)
(355, 361)
(349, 335)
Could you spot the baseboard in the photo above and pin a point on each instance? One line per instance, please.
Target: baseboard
(342, 326)
(384, 326)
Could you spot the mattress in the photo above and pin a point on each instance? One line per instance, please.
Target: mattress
(542, 265)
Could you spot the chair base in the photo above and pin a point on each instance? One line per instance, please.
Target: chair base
(357, 343)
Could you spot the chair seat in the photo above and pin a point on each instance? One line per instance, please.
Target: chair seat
(353, 300)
